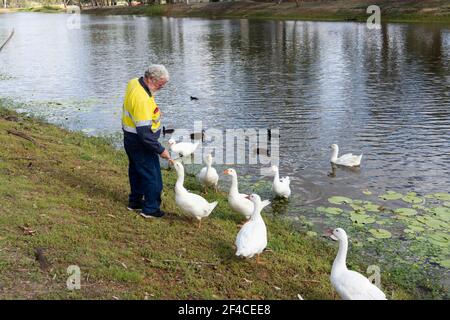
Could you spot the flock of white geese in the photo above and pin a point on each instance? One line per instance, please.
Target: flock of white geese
(251, 240)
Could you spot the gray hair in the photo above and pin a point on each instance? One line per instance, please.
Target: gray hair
(157, 72)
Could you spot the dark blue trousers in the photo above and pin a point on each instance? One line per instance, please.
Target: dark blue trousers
(144, 173)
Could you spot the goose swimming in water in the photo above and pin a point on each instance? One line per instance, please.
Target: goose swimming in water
(348, 159)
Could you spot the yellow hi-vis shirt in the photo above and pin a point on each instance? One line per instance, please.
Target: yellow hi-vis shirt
(139, 108)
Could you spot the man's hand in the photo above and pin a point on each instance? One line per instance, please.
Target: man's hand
(166, 155)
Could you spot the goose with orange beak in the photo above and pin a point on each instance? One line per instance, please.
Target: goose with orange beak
(239, 202)
(350, 285)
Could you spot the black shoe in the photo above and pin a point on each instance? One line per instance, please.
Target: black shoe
(133, 207)
(158, 214)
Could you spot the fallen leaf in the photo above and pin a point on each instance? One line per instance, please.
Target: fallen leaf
(27, 231)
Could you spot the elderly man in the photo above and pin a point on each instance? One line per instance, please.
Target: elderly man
(141, 128)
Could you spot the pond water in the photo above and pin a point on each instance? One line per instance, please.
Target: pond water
(384, 93)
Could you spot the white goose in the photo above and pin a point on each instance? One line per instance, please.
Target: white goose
(208, 175)
(183, 149)
(191, 203)
(348, 159)
(239, 202)
(281, 186)
(350, 285)
(252, 238)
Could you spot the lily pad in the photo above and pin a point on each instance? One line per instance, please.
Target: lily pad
(432, 222)
(412, 199)
(391, 195)
(371, 207)
(380, 233)
(446, 204)
(367, 192)
(442, 196)
(439, 195)
(405, 212)
(330, 210)
(340, 200)
(308, 223)
(440, 239)
(311, 233)
(357, 207)
(361, 219)
(444, 263)
(357, 243)
(441, 212)
(416, 228)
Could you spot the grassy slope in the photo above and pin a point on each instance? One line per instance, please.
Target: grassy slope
(43, 9)
(72, 190)
(394, 11)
